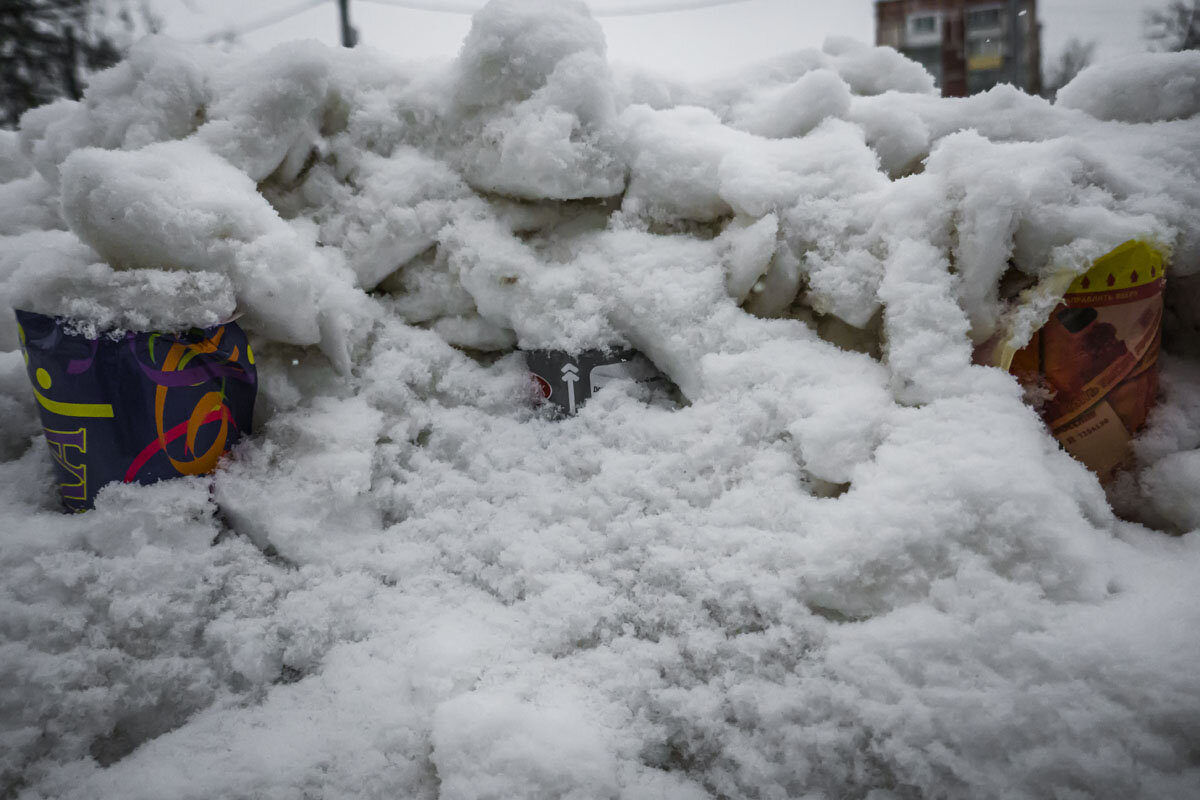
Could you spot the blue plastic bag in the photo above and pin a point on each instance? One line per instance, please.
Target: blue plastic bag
(140, 407)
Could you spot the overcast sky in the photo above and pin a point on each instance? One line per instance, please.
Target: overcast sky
(698, 42)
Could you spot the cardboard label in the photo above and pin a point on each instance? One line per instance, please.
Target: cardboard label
(1096, 358)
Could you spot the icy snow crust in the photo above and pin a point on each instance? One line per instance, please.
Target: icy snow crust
(843, 562)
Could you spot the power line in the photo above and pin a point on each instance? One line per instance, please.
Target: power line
(663, 7)
(627, 9)
(443, 6)
(264, 22)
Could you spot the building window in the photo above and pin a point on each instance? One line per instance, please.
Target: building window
(984, 19)
(926, 24)
(924, 29)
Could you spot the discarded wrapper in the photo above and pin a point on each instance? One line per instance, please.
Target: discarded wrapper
(568, 379)
(139, 407)
(1096, 358)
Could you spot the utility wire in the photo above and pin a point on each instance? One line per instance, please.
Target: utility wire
(626, 9)
(264, 22)
(443, 6)
(662, 7)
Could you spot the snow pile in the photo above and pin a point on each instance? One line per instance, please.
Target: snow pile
(842, 562)
(1145, 88)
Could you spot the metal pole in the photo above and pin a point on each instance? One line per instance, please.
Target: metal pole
(71, 63)
(349, 35)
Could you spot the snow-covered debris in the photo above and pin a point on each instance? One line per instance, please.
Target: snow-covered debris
(842, 561)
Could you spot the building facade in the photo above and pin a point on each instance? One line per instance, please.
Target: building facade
(968, 46)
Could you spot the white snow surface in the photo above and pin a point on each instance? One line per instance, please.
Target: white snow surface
(842, 562)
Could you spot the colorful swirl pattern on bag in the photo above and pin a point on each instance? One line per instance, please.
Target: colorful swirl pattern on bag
(138, 408)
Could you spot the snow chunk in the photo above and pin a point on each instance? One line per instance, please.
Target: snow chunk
(1144, 88)
(51, 272)
(894, 131)
(749, 246)
(176, 206)
(13, 163)
(392, 214)
(16, 406)
(514, 46)
(1171, 486)
(795, 109)
(255, 124)
(875, 70)
(159, 92)
(673, 158)
(1048, 207)
(833, 162)
(28, 204)
(488, 744)
(535, 99)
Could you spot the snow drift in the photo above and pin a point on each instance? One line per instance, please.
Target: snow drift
(843, 562)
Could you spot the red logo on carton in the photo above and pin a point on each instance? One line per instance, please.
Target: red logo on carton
(541, 388)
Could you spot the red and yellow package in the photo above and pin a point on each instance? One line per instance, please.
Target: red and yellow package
(1095, 361)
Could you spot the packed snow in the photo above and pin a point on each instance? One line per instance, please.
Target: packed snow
(836, 560)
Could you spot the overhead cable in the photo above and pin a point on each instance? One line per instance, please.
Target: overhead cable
(636, 9)
(630, 8)
(263, 22)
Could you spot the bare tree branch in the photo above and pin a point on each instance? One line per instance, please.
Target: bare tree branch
(1074, 57)
(1175, 27)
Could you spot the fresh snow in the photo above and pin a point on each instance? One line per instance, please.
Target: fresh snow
(839, 561)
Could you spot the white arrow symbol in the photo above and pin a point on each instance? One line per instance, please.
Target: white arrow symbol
(570, 375)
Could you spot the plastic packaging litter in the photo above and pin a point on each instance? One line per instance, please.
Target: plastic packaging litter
(1094, 364)
(567, 380)
(136, 407)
